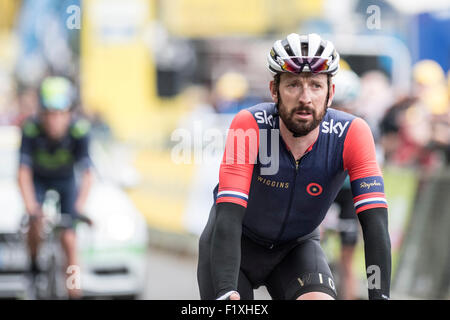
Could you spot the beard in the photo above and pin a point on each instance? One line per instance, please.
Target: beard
(300, 127)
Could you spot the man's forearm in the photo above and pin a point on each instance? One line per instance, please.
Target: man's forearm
(377, 247)
(25, 181)
(85, 187)
(226, 247)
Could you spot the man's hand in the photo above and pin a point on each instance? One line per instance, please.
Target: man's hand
(231, 295)
(235, 296)
(36, 213)
(85, 219)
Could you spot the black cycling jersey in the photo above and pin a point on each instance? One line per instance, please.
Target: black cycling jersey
(55, 159)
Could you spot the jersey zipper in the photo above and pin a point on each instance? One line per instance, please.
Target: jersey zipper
(288, 211)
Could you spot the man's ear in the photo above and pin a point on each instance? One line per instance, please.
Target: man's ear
(273, 92)
(330, 98)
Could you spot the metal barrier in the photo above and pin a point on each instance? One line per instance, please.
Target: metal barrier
(424, 265)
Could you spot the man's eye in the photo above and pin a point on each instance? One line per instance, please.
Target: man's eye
(317, 85)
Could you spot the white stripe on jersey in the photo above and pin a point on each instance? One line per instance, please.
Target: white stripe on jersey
(233, 192)
(369, 200)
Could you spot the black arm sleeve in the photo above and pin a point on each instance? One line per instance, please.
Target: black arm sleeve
(377, 247)
(226, 247)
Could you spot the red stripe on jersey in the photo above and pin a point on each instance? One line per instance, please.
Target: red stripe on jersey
(241, 150)
(359, 151)
(371, 206)
(369, 195)
(234, 189)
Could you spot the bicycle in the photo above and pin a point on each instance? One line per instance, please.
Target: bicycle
(50, 283)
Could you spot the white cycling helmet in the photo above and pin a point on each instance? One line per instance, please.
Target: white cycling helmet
(303, 53)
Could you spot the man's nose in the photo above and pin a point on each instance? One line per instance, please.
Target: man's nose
(304, 95)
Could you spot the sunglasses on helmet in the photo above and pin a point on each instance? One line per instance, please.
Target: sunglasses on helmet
(298, 64)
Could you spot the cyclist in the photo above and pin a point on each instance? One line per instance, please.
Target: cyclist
(52, 144)
(283, 166)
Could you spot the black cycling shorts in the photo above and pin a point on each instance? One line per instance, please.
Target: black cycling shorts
(66, 189)
(288, 270)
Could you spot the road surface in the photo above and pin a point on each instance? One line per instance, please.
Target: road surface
(173, 276)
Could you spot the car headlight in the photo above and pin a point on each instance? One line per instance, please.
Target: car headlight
(120, 228)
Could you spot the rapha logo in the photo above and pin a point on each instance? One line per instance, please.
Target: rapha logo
(331, 127)
(368, 185)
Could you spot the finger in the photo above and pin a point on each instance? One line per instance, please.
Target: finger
(235, 296)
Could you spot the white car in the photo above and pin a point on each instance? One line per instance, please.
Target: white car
(13, 253)
(112, 254)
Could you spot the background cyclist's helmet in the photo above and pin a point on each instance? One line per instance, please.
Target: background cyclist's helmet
(303, 53)
(56, 94)
(348, 87)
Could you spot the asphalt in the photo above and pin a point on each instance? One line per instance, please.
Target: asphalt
(172, 267)
(178, 243)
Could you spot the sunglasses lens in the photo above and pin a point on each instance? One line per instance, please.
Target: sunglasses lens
(288, 66)
(319, 65)
(313, 64)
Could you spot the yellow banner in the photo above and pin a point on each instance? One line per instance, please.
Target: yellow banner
(193, 18)
(205, 18)
(118, 74)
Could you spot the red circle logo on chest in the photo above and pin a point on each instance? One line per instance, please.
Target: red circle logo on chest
(314, 189)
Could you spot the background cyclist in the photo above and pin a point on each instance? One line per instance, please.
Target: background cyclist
(53, 143)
